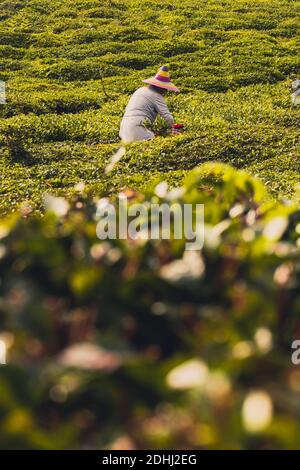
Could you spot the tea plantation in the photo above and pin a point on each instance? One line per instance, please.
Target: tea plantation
(141, 344)
(70, 68)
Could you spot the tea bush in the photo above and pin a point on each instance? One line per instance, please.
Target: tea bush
(142, 344)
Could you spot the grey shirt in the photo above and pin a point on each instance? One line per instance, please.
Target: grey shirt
(146, 103)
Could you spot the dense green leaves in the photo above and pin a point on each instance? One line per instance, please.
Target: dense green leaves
(70, 71)
(142, 344)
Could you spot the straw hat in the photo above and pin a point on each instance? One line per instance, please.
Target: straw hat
(162, 79)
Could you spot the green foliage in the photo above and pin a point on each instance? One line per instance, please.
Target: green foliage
(13, 138)
(71, 69)
(135, 311)
(138, 310)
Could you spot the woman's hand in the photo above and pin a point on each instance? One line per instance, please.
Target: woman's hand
(177, 128)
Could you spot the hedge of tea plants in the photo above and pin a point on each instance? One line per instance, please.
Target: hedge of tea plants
(141, 344)
(70, 69)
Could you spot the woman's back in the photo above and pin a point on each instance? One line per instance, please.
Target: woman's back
(144, 103)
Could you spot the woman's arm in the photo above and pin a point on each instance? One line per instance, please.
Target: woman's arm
(162, 109)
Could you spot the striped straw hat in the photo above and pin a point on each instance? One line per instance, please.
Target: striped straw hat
(162, 79)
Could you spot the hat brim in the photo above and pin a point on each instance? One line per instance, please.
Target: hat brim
(166, 86)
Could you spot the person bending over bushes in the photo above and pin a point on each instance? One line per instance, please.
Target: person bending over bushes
(145, 104)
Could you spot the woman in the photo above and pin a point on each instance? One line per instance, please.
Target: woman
(144, 105)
